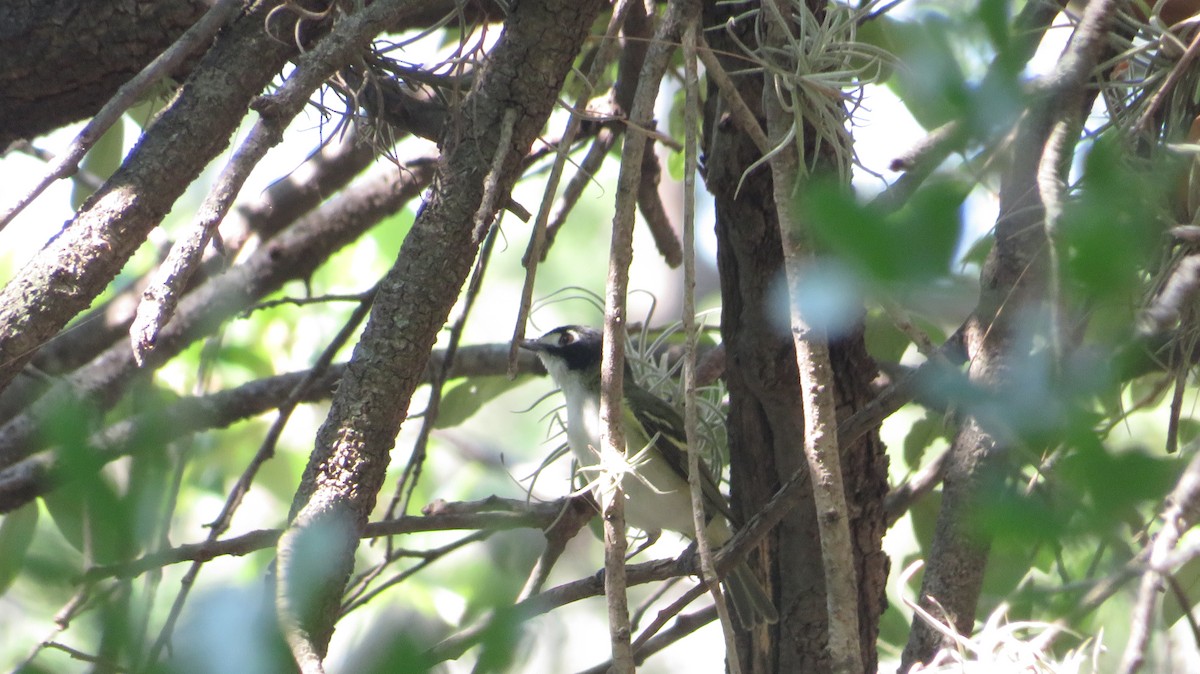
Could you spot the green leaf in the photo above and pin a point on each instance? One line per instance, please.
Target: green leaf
(994, 14)
(1115, 482)
(929, 79)
(1108, 235)
(462, 399)
(921, 435)
(924, 515)
(85, 507)
(1189, 430)
(66, 511)
(675, 165)
(101, 161)
(916, 243)
(885, 342)
(94, 520)
(16, 533)
(253, 360)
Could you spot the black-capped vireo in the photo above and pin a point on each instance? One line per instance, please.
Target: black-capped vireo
(658, 497)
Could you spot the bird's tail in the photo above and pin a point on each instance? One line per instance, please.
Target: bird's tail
(750, 601)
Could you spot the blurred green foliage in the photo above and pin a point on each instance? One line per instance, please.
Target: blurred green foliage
(1088, 471)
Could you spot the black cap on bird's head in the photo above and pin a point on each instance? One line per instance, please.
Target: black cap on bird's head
(578, 347)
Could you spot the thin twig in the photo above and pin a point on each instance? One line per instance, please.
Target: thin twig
(491, 188)
(1178, 71)
(490, 514)
(170, 280)
(708, 575)
(438, 374)
(265, 451)
(654, 213)
(613, 442)
(601, 145)
(536, 250)
(743, 117)
(685, 625)
(428, 557)
(1181, 513)
(81, 176)
(62, 620)
(576, 513)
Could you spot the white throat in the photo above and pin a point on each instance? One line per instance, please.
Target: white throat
(583, 413)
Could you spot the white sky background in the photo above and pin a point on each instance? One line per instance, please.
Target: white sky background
(883, 131)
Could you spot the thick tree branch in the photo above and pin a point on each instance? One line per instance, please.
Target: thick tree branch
(1013, 281)
(323, 174)
(293, 254)
(350, 457)
(349, 37)
(76, 266)
(811, 344)
(62, 61)
(67, 163)
(153, 429)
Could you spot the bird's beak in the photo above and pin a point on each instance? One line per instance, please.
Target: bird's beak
(532, 345)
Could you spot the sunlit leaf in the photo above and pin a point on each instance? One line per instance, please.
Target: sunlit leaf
(101, 161)
(16, 533)
(1107, 235)
(921, 435)
(885, 341)
(916, 243)
(994, 15)
(463, 398)
(1117, 481)
(928, 78)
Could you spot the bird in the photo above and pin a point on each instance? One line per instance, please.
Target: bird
(658, 497)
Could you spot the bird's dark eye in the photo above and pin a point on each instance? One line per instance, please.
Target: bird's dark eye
(565, 338)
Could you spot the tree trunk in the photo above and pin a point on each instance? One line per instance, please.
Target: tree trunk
(765, 438)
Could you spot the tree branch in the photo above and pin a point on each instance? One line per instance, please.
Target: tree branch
(811, 343)
(1181, 513)
(293, 254)
(76, 266)
(348, 38)
(620, 257)
(1013, 282)
(351, 451)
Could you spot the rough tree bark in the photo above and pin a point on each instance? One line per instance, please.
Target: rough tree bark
(76, 266)
(61, 61)
(1016, 302)
(516, 90)
(765, 438)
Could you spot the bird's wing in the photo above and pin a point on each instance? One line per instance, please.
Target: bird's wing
(659, 420)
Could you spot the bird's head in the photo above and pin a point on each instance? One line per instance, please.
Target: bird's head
(569, 352)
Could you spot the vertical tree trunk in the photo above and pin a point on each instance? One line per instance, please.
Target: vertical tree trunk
(765, 438)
